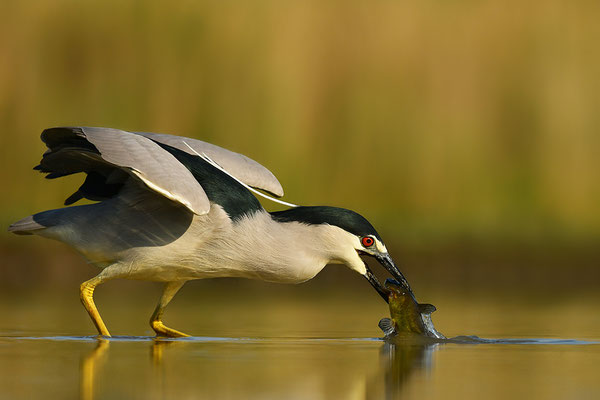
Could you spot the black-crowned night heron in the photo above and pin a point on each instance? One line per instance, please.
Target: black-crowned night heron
(172, 209)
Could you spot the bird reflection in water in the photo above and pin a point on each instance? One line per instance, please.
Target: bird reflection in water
(89, 369)
(92, 363)
(400, 362)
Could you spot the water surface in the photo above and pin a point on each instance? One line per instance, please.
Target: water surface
(293, 344)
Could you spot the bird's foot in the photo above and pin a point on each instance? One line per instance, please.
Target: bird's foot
(162, 330)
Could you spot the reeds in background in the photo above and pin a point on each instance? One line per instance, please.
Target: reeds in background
(433, 119)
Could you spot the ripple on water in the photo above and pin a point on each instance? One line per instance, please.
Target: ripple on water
(290, 340)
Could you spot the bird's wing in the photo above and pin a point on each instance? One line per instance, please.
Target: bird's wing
(104, 153)
(241, 167)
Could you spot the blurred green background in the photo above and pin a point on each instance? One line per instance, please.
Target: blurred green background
(466, 132)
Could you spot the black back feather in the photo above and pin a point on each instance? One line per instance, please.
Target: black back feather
(220, 188)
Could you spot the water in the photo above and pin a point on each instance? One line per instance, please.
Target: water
(210, 367)
(295, 343)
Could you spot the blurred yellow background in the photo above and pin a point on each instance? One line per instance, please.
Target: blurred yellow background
(441, 122)
(467, 132)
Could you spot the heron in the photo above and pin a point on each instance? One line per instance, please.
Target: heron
(172, 209)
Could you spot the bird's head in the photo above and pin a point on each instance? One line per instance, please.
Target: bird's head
(349, 236)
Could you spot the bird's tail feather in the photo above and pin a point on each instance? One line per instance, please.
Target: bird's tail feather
(28, 225)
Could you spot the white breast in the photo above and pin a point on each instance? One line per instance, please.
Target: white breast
(255, 247)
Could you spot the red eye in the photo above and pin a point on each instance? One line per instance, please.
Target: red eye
(367, 241)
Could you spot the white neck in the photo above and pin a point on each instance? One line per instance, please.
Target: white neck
(260, 247)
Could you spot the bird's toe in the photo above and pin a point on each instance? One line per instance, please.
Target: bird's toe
(162, 330)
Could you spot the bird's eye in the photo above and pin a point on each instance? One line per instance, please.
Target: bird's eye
(367, 241)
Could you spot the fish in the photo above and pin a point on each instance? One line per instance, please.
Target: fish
(408, 317)
(411, 320)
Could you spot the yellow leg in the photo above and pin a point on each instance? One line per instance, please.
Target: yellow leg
(86, 293)
(155, 321)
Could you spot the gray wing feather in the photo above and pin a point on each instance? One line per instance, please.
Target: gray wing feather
(243, 168)
(144, 159)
